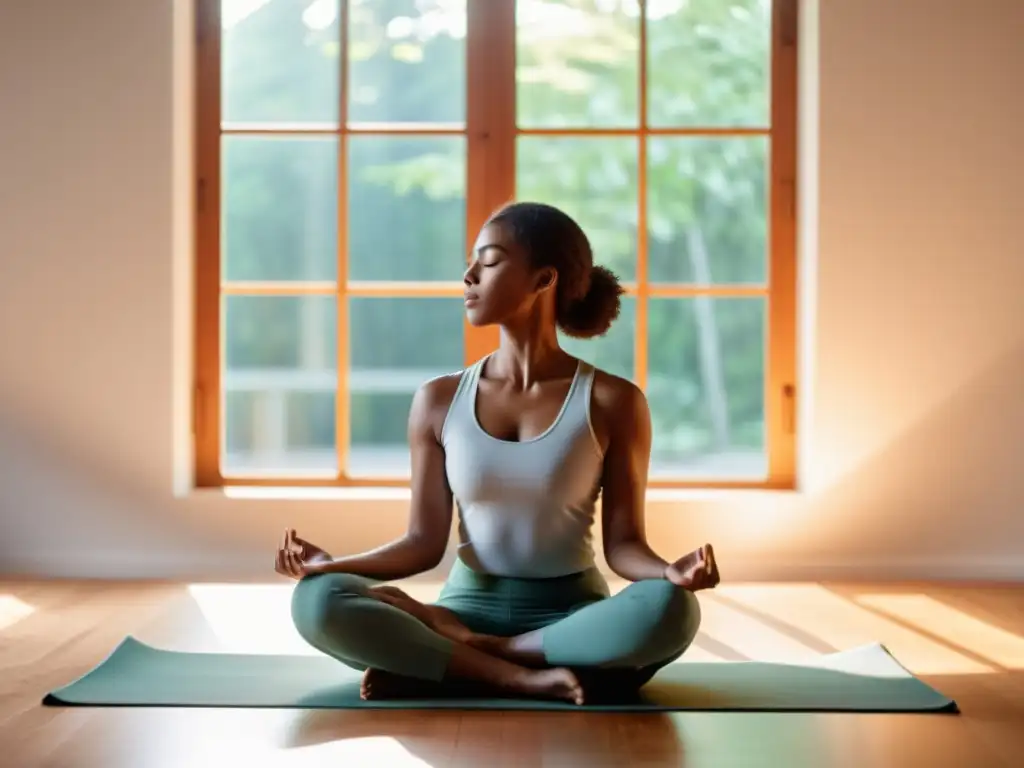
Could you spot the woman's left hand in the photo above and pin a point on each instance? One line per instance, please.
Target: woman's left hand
(695, 571)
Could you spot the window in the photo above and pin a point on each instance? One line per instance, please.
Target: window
(348, 153)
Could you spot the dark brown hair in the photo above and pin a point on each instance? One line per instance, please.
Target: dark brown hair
(588, 300)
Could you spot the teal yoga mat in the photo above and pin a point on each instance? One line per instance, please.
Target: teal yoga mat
(864, 679)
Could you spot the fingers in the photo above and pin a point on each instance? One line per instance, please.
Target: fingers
(292, 543)
(712, 568)
(385, 597)
(291, 555)
(286, 566)
(673, 575)
(288, 563)
(391, 595)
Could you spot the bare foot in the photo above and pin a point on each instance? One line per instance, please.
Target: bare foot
(378, 684)
(477, 666)
(695, 571)
(557, 683)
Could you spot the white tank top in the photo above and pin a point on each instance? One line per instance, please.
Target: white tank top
(526, 509)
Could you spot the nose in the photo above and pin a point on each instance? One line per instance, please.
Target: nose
(470, 276)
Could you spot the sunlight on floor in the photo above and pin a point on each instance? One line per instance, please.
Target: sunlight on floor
(958, 628)
(251, 618)
(790, 611)
(256, 743)
(256, 618)
(374, 750)
(748, 635)
(378, 750)
(696, 654)
(13, 610)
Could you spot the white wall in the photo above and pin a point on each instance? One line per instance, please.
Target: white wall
(915, 430)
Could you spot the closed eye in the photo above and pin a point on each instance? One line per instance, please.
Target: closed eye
(492, 252)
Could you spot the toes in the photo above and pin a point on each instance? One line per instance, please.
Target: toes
(366, 685)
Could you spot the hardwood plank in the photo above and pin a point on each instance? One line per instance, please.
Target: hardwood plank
(965, 640)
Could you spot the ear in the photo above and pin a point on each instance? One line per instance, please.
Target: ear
(546, 279)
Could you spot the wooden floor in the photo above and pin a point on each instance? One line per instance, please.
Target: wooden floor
(966, 641)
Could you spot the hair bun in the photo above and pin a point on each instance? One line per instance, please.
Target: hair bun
(593, 314)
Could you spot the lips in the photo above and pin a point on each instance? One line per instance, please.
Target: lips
(470, 298)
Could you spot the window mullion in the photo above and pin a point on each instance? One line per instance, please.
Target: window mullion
(207, 396)
(781, 392)
(342, 431)
(490, 130)
(640, 361)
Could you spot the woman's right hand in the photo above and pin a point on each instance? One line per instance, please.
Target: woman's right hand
(295, 553)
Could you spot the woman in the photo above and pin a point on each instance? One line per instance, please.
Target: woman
(524, 440)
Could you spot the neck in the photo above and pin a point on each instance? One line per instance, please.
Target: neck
(529, 352)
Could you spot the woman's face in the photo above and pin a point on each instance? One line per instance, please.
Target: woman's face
(499, 282)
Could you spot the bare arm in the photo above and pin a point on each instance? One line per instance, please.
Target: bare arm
(627, 419)
(424, 543)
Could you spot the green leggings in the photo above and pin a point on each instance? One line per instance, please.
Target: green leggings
(626, 637)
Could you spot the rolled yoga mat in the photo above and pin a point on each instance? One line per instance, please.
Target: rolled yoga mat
(864, 679)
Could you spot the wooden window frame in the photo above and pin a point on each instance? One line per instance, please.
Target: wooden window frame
(490, 132)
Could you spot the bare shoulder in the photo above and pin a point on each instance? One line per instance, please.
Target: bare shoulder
(617, 405)
(611, 391)
(439, 391)
(431, 402)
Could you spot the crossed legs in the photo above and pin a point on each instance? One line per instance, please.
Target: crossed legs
(346, 617)
(410, 648)
(625, 638)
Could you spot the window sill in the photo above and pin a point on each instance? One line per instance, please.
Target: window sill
(377, 493)
(315, 493)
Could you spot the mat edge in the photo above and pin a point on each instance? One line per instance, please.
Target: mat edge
(946, 709)
(950, 706)
(52, 697)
